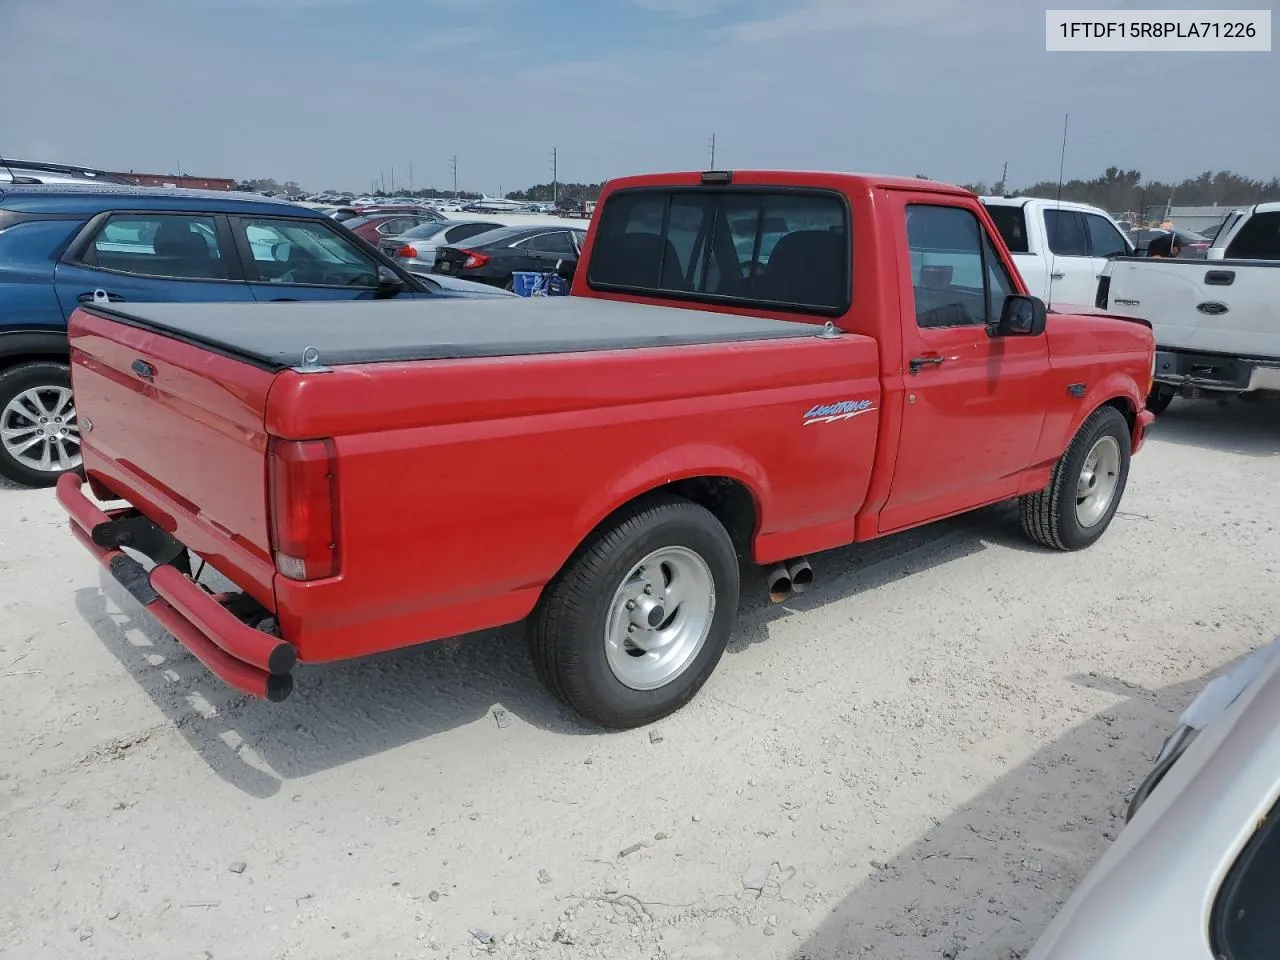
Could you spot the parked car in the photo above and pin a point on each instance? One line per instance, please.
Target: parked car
(373, 227)
(1060, 248)
(1216, 324)
(494, 256)
(679, 412)
(31, 172)
(62, 244)
(1195, 872)
(1252, 234)
(416, 250)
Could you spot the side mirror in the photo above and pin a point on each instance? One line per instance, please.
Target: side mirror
(389, 282)
(1022, 316)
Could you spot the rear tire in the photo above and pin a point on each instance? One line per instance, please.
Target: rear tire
(639, 617)
(36, 407)
(1084, 491)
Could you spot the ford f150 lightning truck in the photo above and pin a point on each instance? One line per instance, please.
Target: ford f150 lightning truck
(755, 366)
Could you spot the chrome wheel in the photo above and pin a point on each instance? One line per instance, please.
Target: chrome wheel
(660, 618)
(1099, 477)
(39, 430)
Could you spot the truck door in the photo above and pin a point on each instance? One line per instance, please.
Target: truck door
(973, 405)
(1072, 276)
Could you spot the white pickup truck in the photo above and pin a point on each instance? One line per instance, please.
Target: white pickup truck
(1059, 247)
(1216, 322)
(1252, 234)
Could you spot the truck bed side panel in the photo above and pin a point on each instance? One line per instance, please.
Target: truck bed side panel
(464, 491)
(186, 446)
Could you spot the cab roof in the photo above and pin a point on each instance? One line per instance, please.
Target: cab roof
(830, 180)
(95, 198)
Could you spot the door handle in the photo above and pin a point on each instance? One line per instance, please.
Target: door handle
(100, 296)
(1058, 276)
(918, 363)
(1220, 278)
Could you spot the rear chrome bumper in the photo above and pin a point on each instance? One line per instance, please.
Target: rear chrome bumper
(1191, 373)
(249, 660)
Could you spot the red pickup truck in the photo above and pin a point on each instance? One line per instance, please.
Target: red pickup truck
(755, 366)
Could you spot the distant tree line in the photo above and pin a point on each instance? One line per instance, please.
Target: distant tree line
(546, 192)
(1125, 190)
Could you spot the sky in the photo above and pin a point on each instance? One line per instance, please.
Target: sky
(334, 93)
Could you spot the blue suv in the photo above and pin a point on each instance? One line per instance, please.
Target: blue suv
(64, 245)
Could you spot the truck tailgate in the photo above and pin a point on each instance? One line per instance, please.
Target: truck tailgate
(1226, 307)
(177, 430)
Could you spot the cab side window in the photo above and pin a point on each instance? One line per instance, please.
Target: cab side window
(1245, 924)
(174, 246)
(1066, 233)
(956, 276)
(1104, 239)
(304, 252)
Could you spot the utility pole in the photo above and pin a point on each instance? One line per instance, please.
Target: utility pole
(393, 178)
(411, 176)
(455, 176)
(713, 152)
(1004, 179)
(555, 176)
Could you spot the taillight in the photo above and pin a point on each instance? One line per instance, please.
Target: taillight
(408, 252)
(302, 489)
(474, 259)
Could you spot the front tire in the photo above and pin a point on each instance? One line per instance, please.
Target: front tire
(1085, 488)
(636, 622)
(39, 432)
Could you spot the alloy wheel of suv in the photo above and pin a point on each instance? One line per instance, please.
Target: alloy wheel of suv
(39, 432)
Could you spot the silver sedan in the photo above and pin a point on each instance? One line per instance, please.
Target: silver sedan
(416, 249)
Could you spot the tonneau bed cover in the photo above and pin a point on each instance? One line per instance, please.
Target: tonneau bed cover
(274, 335)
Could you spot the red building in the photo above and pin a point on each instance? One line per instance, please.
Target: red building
(179, 180)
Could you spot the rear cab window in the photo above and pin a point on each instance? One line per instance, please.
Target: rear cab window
(741, 245)
(1011, 222)
(1258, 239)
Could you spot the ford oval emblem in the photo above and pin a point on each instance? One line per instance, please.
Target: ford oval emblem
(1213, 308)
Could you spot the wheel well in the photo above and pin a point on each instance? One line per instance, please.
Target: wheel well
(729, 500)
(1126, 408)
(9, 360)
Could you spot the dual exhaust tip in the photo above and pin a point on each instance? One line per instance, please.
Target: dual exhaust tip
(793, 576)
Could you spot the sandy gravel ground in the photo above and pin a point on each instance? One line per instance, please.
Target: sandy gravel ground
(919, 759)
